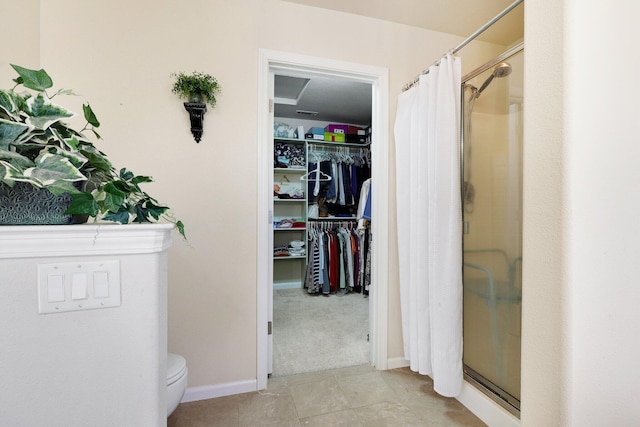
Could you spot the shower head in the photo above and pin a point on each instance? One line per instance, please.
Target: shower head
(503, 69)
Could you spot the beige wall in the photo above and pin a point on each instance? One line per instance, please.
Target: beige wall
(602, 187)
(119, 56)
(580, 316)
(579, 305)
(543, 213)
(21, 37)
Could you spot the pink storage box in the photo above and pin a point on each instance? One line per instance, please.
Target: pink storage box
(333, 128)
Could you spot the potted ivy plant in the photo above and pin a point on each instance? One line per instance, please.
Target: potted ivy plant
(41, 154)
(196, 87)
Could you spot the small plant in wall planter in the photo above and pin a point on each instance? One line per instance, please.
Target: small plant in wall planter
(196, 87)
(40, 153)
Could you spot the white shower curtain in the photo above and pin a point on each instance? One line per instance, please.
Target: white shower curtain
(427, 132)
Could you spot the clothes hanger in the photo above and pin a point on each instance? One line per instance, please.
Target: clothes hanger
(320, 176)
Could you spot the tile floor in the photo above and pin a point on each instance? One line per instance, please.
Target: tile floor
(357, 396)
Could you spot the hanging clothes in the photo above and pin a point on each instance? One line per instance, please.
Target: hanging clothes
(339, 258)
(348, 168)
(340, 252)
(313, 266)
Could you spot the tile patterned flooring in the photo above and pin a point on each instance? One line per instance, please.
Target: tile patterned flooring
(350, 397)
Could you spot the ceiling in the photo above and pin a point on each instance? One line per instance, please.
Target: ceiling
(327, 99)
(346, 101)
(460, 17)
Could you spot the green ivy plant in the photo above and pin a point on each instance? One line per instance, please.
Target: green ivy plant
(38, 148)
(196, 87)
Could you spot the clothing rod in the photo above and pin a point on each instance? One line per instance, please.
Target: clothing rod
(466, 41)
(336, 148)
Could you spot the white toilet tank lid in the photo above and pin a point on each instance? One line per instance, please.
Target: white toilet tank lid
(176, 366)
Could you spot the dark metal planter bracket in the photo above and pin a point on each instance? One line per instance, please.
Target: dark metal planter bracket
(196, 115)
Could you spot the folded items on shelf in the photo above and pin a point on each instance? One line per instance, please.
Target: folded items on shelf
(289, 223)
(285, 251)
(296, 252)
(280, 251)
(296, 244)
(296, 248)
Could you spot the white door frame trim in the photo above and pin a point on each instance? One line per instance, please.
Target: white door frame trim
(270, 60)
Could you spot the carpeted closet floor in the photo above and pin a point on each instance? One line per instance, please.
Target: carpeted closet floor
(316, 333)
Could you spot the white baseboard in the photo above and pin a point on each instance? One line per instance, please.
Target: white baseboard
(193, 394)
(486, 409)
(397, 362)
(287, 285)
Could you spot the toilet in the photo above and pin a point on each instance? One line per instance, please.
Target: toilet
(176, 380)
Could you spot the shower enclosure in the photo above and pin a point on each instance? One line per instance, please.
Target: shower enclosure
(492, 226)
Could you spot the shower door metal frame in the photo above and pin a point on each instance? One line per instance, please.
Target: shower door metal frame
(493, 391)
(495, 61)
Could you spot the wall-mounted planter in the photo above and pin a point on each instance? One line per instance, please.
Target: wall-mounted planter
(199, 89)
(196, 115)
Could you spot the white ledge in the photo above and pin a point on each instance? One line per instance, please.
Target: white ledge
(31, 241)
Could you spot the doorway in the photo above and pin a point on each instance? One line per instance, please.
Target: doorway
(271, 63)
(320, 280)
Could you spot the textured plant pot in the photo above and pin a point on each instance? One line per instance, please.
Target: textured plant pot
(26, 205)
(196, 97)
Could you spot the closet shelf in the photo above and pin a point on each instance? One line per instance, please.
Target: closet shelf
(289, 140)
(290, 257)
(275, 199)
(321, 142)
(338, 144)
(289, 228)
(293, 170)
(334, 218)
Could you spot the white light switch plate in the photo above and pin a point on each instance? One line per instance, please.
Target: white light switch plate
(81, 285)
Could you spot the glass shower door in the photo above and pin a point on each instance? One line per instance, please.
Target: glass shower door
(492, 215)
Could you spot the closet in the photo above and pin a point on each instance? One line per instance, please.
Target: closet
(320, 223)
(321, 234)
(321, 158)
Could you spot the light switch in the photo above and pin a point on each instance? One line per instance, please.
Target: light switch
(79, 286)
(100, 284)
(55, 288)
